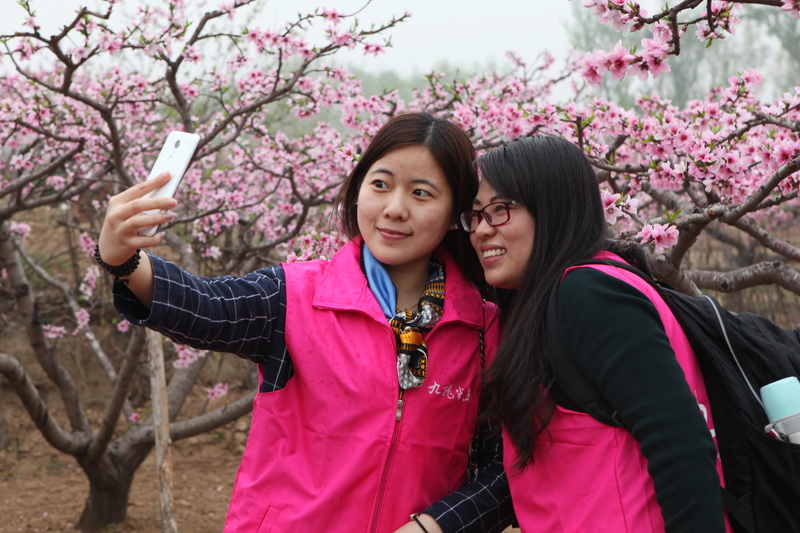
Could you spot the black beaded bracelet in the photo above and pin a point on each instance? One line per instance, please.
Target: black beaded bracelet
(125, 269)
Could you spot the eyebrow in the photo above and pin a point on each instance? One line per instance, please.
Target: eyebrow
(426, 181)
(381, 170)
(493, 199)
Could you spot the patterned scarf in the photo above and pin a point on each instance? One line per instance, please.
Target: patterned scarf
(412, 353)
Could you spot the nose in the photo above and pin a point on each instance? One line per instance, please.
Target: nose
(396, 207)
(483, 229)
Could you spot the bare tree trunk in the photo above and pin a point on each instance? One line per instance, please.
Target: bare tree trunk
(105, 505)
(110, 481)
(158, 384)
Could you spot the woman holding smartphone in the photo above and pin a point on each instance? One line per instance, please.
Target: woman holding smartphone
(369, 363)
(537, 213)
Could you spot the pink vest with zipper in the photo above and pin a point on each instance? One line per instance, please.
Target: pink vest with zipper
(334, 451)
(593, 477)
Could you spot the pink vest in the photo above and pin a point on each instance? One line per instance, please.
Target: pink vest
(332, 451)
(587, 476)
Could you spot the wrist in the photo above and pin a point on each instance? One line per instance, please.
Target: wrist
(426, 523)
(125, 269)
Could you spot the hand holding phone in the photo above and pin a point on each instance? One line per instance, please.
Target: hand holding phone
(174, 157)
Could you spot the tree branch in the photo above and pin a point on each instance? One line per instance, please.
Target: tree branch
(12, 369)
(119, 396)
(764, 273)
(145, 434)
(26, 304)
(763, 192)
(72, 302)
(784, 248)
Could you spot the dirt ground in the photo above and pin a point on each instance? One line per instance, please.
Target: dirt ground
(42, 490)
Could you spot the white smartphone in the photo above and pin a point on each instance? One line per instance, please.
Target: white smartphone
(174, 157)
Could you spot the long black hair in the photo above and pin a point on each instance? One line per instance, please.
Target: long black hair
(554, 180)
(452, 149)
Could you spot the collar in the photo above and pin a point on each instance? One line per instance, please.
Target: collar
(344, 287)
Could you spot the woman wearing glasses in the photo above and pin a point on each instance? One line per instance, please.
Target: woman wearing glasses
(369, 363)
(538, 211)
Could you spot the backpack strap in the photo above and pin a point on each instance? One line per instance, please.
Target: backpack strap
(568, 376)
(572, 381)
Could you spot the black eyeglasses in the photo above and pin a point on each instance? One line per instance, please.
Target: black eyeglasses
(495, 214)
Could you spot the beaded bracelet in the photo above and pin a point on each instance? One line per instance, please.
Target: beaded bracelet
(125, 269)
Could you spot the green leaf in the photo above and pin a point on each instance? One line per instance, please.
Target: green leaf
(672, 216)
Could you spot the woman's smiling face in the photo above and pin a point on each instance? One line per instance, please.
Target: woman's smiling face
(405, 207)
(503, 250)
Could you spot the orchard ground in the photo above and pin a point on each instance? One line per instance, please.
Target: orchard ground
(43, 490)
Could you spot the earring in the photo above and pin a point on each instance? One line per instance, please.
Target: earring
(454, 226)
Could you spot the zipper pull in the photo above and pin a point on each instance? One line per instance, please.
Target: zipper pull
(400, 405)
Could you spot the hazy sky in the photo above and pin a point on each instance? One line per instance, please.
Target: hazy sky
(466, 33)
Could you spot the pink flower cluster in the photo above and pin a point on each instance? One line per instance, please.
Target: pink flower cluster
(89, 282)
(610, 206)
(186, 355)
(219, 390)
(668, 27)
(662, 235)
(792, 6)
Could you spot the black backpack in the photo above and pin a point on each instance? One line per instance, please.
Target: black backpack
(738, 354)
